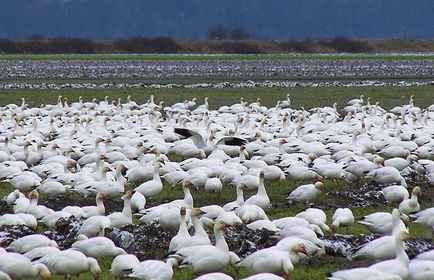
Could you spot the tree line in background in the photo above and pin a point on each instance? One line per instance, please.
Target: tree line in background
(221, 40)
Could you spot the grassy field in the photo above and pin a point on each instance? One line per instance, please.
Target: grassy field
(163, 57)
(307, 97)
(388, 97)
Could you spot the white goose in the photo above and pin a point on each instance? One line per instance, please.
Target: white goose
(119, 219)
(411, 205)
(304, 193)
(395, 193)
(29, 242)
(71, 263)
(122, 264)
(421, 269)
(206, 258)
(362, 273)
(152, 187)
(39, 252)
(200, 236)
(39, 211)
(97, 247)
(264, 276)
(398, 265)
(214, 276)
(425, 217)
(19, 267)
(382, 222)
(153, 269)
(383, 247)
(261, 198)
(182, 234)
(94, 226)
(271, 260)
(343, 217)
(230, 206)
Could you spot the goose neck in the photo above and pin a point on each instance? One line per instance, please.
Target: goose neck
(220, 240)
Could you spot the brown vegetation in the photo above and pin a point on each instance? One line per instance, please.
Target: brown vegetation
(38, 44)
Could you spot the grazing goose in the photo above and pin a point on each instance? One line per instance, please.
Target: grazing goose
(19, 267)
(122, 264)
(343, 217)
(71, 263)
(153, 269)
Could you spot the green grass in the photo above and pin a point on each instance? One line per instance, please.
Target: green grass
(388, 97)
(307, 97)
(165, 57)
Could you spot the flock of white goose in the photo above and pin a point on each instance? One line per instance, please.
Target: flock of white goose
(97, 148)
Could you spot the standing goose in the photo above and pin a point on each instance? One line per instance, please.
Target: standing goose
(398, 265)
(154, 186)
(119, 219)
(206, 258)
(411, 205)
(182, 234)
(261, 198)
(230, 206)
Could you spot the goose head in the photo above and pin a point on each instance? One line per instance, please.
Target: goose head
(101, 197)
(187, 184)
(34, 195)
(319, 186)
(404, 236)
(221, 225)
(128, 194)
(42, 271)
(197, 212)
(94, 268)
(300, 248)
(417, 191)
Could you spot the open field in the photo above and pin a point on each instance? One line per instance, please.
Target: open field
(388, 97)
(315, 268)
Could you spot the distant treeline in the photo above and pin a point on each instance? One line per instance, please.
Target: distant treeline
(39, 45)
